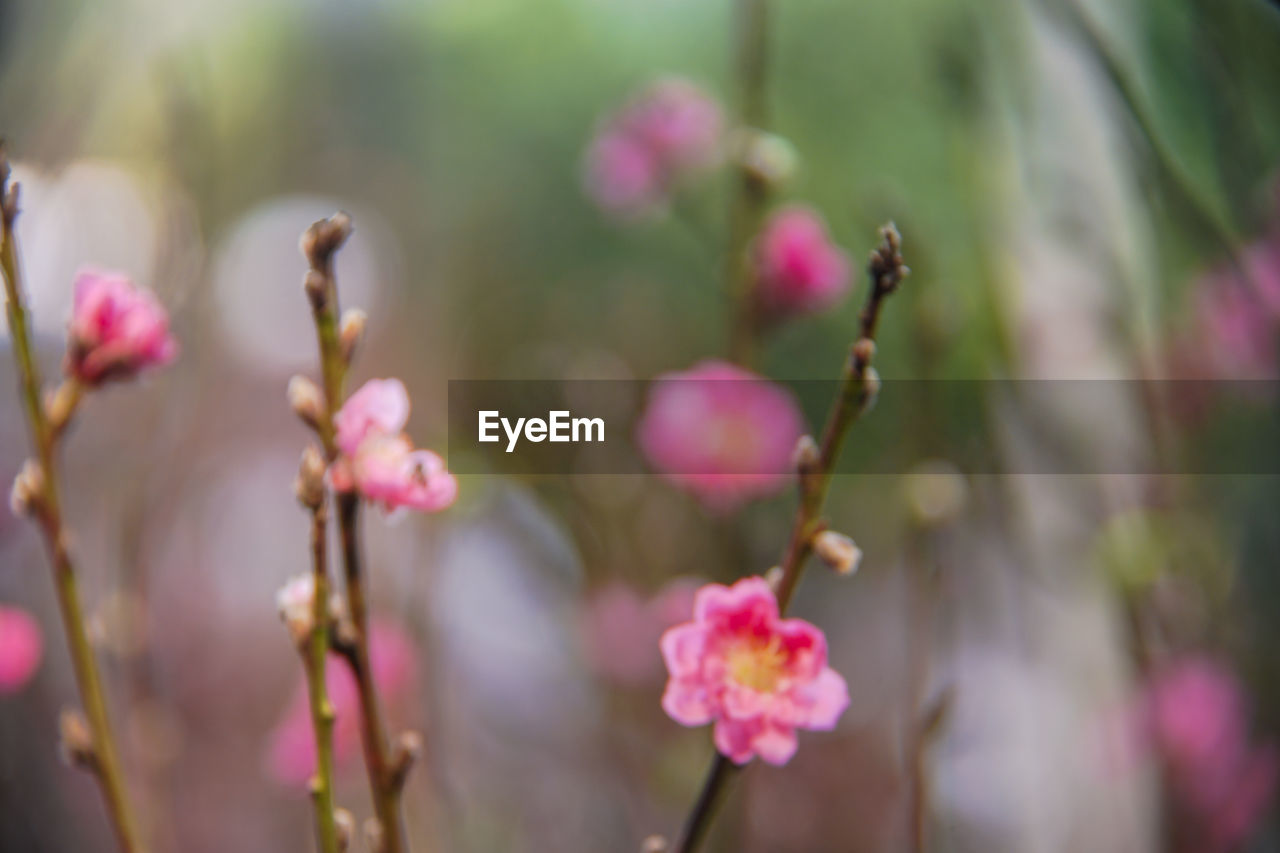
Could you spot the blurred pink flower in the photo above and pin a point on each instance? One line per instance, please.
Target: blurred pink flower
(21, 648)
(379, 460)
(621, 628)
(667, 132)
(116, 329)
(381, 407)
(757, 676)
(388, 471)
(720, 432)
(1194, 718)
(291, 756)
(1238, 338)
(798, 268)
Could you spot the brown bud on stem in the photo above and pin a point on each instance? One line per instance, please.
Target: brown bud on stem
(773, 577)
(375, 838)
(307, 400)
(345, 823)
(309, 487)
(316, 286)
(75, 742)
(655, 844)
(837, 551)
(407, 749)
(351, 332)
(27, 496)
(323, 238)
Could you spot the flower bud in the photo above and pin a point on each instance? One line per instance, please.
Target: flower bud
(773, 577)
(306, 399)
(75, 742)
(837, 551)
(351, 332)
(375, 838)
(27, 496)
(407, 749)
(316, 286)
(655, 844)
(309, 487)
(766, 157)
(345, 823)
(323, 238)
(295, 602)
(863, 351)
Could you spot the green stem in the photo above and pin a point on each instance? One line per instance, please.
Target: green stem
(856, 393)
(750, 193)
(322, 714)
(106, 763)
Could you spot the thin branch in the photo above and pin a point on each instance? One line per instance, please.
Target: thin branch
(320, 244)
(41, 497)
(815, 463)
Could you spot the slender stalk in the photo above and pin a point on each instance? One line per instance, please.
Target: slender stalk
(815, 466)
(320, 244)
(750, 192)
(315, 655)
(103, 760)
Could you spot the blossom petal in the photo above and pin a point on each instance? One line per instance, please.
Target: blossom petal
(682, 649)
(747, 605)
(775, 744)
(733, 739)
(688, 703)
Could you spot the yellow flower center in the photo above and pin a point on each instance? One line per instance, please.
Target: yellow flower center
(758, 664)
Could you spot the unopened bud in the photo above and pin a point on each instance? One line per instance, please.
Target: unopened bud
(870, 389)
(766, 157)
(374, 837)
(351, 332)
(805, 458)
(345, 824)
(407, 749)
(863, 351)
(773, 577)
(325, 237)
(316, 286)
(837, 551)
(295, 601)
(655, 844)
(75, 741)
(306, 399)
(309, 487)
(27, 496)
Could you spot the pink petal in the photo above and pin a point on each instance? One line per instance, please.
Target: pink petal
(747, 605)
(775, 744)
(682, 648)
(688, 703)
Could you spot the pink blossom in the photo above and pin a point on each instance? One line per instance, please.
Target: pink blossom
(756, 676)
(292, 751)
(387, 470)
(798, 268)
(379, 461)
(116, 329)
(621, 628)
(1194, 718)
(21, 648)
(381, 407)
(669, 131)
(721, 432)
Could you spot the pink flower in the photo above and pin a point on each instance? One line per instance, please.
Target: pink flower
(1194, 717)
(21, 648)
(721, 432)
(663, 135)
(621, 628)
(380, 407)
(798, 269)
(757, 676)
(116, 329)
(1238, 339)
(292, 751)
(377, 458)
(387, 470)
